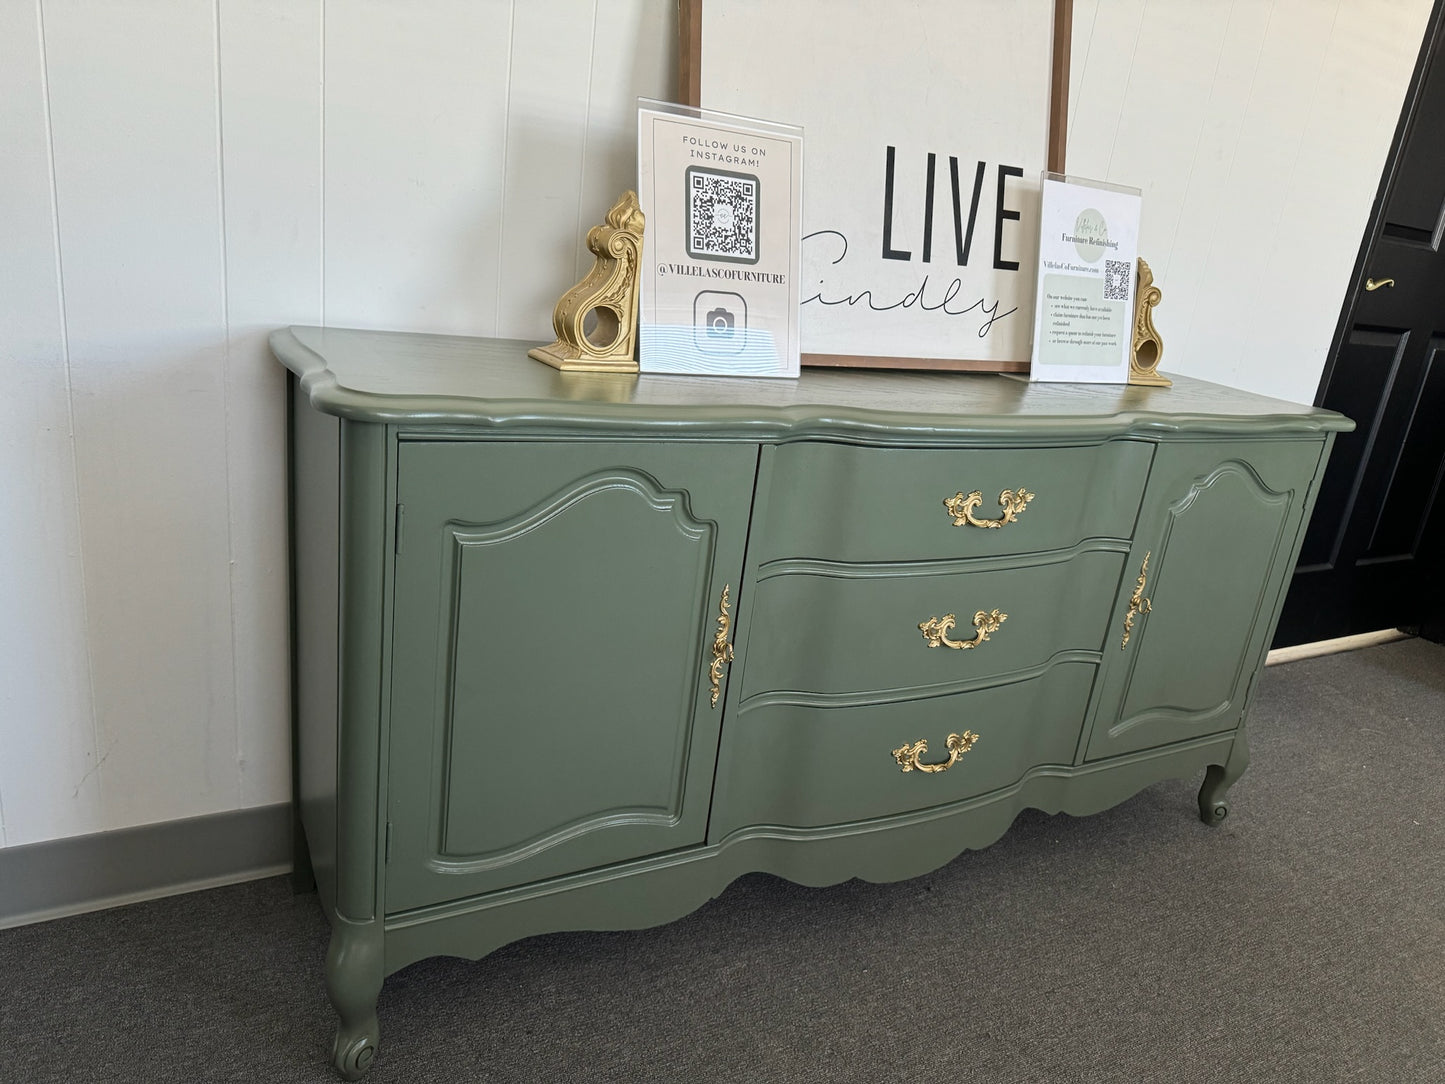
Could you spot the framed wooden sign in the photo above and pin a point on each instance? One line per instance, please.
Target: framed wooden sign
(928, 125)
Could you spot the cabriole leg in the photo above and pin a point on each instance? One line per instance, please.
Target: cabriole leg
(353, 983)
(1217, 781)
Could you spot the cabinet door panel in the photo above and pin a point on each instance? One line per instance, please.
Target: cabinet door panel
(1219, 525)
(555, 608)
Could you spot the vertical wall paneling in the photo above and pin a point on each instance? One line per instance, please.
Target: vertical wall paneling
(1208, 199)
(270, 113)
(1363, 68)
(1257, 133)
(1085, 15)
(47, 732)
(134, 132)
(634, 55)
(415, 152)
(1235, 273)
(546, 131)
(1101, 55)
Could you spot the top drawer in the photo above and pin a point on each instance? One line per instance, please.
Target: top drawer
(848, 503)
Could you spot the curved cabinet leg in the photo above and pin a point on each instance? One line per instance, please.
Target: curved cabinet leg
(1217, 781)
(353, 983)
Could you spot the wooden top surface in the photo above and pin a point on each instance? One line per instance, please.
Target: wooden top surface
(442, 380)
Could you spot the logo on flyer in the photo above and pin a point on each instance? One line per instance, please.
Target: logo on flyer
(1091, 235)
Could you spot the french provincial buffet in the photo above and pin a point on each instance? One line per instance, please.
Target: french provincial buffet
(574, 651)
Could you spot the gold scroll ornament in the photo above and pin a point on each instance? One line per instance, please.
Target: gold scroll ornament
(722, 651)
(1138, 604)
(909, 756)
(1148, 346)
(935, 629)
(596, 320)
(960, 508)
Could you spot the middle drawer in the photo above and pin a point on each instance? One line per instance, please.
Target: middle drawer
(817, 628)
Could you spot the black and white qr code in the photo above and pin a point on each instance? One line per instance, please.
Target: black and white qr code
(722, 215)
(1116, 279)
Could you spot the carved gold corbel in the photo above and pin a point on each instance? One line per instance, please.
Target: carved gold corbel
(596, 320)
(1148, 347)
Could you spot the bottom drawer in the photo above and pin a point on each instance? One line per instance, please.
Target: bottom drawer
(806, 766)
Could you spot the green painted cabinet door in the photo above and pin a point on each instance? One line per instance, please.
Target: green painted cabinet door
(555, 610)
(1218, 529)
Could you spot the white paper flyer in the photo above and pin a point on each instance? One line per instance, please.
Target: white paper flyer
(1088, 254)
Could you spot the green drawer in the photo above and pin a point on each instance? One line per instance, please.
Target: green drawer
(886, 504)
(823, 628)
(804, 766)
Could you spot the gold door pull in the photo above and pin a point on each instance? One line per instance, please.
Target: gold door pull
(722, 651)
(1138, 604)
(1013, 502)
(1371, 285)
(958, 744)
(935, 629)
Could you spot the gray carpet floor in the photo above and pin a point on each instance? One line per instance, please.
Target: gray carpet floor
(1304, 940)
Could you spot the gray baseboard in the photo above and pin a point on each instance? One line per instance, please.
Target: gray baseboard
(62, 877)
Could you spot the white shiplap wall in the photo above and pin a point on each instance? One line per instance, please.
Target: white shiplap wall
(1257, 130)
(178, 179)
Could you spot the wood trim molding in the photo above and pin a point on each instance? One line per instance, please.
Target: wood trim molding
(858, 361)
(1059, 85)
(689, 40)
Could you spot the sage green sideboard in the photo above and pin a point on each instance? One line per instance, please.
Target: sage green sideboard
(574, 651)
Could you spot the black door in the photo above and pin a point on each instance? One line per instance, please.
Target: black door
(1374, 554)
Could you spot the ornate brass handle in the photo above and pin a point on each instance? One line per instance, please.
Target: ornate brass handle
(1371, 285)
(1013, 501)
(722, 651)
(958, 744)
(935, 629)
(1138, 604)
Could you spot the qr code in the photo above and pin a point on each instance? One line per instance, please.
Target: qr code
(722, 215)
(1117, 279)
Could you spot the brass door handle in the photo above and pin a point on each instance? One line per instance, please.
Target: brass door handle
(1371, 285)
(722, 651)
(960, 508)
(958, 744)
(935, 629)
(1138, 604)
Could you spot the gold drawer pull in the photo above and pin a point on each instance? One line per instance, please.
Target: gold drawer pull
(1013, 502)
(935, 629)
(958, 744)
(1138, 604)
(722, 651)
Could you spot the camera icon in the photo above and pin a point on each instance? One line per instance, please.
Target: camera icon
(720, 321)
